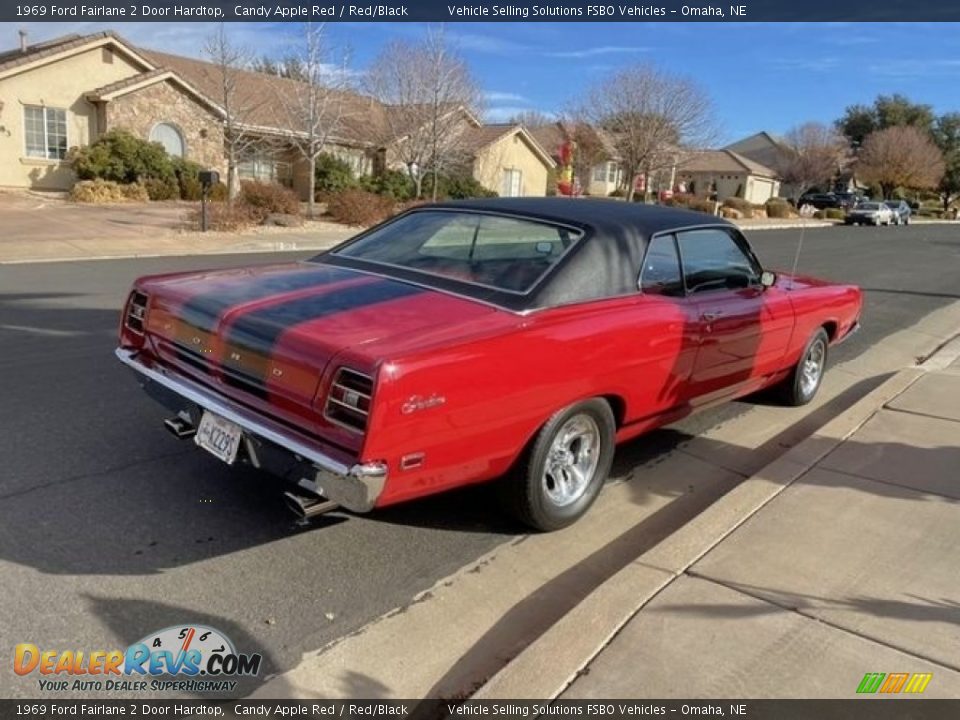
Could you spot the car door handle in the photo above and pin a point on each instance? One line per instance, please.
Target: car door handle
(711, 316)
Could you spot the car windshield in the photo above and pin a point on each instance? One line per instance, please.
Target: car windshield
(869, 206)
(494, 251)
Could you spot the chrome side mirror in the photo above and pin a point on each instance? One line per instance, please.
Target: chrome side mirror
(767, 278)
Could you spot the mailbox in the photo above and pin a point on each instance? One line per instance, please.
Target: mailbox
(208, 178)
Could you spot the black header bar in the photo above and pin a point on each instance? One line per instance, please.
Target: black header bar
(477, 11)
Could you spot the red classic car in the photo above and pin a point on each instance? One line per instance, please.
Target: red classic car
(457, 343)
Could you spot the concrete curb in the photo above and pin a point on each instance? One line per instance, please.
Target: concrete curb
(548, 665)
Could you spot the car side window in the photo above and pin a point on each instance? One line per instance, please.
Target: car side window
(713, 260)
(660, 274)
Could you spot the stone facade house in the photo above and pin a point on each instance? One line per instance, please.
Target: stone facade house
(69, 91)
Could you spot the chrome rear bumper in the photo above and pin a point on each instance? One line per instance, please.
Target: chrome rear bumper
(353, 486)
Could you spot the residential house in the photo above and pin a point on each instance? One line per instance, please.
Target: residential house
(721, 174)
(597, 179)
(770, 151)
(69, 91)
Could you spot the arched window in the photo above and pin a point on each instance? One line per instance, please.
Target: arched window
(169, 136)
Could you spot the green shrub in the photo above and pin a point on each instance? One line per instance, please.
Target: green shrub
(834, 214)
(187, 175)
(162, 188)
(359, 207)
(265, 199)
(394, 183)
(458, 186)
(333, 174)
(121, 157)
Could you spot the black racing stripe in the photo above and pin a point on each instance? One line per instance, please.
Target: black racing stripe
(258, 331)
(203, 311)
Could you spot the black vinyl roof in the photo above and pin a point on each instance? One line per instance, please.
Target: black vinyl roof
(599, 213)
(605, 262)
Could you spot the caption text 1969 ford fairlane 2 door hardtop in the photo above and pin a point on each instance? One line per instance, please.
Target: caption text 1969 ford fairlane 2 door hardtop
(514, 339)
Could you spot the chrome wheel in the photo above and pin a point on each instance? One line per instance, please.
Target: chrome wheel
(811, 367)
(571, 460)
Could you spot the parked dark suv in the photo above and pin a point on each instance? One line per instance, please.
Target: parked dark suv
(820, 200)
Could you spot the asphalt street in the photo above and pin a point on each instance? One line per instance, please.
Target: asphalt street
(110, 528)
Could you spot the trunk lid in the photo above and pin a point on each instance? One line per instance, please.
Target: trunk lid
(267, 335)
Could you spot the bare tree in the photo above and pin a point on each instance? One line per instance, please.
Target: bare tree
(314, 102)
(530, 118)
(650, 116)
(900, 156)
(237, 103)
(813, 155)
(425, 88)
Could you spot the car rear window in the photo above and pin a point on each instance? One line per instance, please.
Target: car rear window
(505, 253)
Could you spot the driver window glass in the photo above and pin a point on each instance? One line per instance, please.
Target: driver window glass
(661, 268)
(712, 260)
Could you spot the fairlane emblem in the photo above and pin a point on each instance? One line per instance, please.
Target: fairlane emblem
(418, 402)
(196, 340)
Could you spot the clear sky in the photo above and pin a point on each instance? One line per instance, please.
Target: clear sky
(760, 76)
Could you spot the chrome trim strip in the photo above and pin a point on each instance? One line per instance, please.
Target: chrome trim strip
(351, 408)
(197, 395)
(350, 390)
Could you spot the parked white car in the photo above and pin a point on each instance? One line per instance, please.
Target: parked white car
(870, 213)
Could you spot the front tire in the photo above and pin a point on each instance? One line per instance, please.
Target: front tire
(802, 384)
(563, 471)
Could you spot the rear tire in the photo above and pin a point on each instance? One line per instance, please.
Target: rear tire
(801, 386)
(563, 471)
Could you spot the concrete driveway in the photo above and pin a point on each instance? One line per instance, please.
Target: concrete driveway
(32, 217)
(44, 228)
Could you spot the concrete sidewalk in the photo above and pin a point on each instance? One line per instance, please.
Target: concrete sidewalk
(312, 236)
(837, 560)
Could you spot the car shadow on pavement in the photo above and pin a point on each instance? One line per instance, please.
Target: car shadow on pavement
(129, 621)
(537, 612)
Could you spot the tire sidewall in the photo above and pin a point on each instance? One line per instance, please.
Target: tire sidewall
(800, 397)
(544, 512)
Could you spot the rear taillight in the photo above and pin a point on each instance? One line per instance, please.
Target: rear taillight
(348, 402)
(135, 317)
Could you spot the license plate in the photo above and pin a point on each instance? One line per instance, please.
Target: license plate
(219, 437)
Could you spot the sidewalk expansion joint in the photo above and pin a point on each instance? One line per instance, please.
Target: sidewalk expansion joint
(890, 483)
(917, 413)
(823, 621)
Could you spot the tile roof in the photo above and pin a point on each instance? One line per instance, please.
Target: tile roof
(37, 51)
(723, 161)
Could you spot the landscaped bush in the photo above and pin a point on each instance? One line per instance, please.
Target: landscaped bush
(681, 200)
(457, 186)
(162, 188)
(834, 214)
(265, 199)
(702, 205)
(107, 191)
(740, 205)
(121, 157)
(778, 208)
(359, 207)
(225, 217)
(333, 174)
(395, 183)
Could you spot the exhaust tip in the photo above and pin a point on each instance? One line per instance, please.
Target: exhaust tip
(180, 428)
(305, 506)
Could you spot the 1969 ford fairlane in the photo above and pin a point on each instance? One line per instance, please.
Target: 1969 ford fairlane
(512, 339)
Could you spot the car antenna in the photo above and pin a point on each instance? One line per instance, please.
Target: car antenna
(806, 211)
